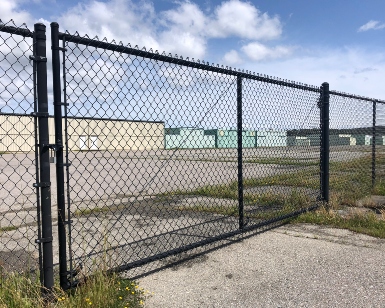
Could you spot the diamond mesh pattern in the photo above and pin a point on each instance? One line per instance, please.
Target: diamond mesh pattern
(18, 222)
(351, 149)
(153, 152)
(152, 146)
(284, 124)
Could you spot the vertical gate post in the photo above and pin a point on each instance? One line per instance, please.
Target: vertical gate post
(374, 146)
(325, 147)
(239, 146)
(40, 58)
(64, 283)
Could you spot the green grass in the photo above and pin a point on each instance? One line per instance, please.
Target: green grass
(100, 290)
(282, 161)
(350, 181)
(367, 223)
(269, 205)
(95, 210)
(9, 228)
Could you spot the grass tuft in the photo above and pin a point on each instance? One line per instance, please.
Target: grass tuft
(362, 223)
(99, 290)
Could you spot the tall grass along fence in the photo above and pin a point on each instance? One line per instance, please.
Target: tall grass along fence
(121, 155)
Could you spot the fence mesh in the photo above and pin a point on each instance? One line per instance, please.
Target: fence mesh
(145, 168)
(281, 170)
(153, 152)
(152, 156)
(379, 172)
(351, 151)
(18, 222)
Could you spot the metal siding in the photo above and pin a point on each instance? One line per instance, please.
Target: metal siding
(189, 139)
(272, 139)
(17, 134)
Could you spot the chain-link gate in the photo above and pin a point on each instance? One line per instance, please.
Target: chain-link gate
(155, 155)
(26, 220)
(164, 154)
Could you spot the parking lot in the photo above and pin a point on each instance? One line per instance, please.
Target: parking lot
(129, 182)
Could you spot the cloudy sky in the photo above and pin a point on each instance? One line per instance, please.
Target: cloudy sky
(341, 42)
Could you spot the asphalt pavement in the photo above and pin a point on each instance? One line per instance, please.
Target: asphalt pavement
(289, 266)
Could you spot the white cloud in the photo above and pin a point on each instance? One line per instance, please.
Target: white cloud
(244, 20)
(184, 30)
(117, 19)
(371, 25)
(328, 66)
(10, 10)
(257, 51)
(232, 58)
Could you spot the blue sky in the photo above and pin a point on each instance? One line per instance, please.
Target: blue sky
(341, 42)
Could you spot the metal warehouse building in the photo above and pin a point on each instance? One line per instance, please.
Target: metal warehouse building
(227, 138)
(338, 137)
(271, 138)
(17, 134)
(187, 138)
(199, 138)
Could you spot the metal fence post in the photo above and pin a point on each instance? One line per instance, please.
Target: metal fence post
(64, 282)
(239, 146)
(325, 147)
(45, 184)
(374, 146)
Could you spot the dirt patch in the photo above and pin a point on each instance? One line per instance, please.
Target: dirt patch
(368, 205)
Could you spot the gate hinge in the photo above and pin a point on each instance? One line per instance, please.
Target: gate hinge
(69, 275)
(42, 184)
(68, 222)
(40, 114)
(54, 147)
(61, 104)
(44, 240)
(38, 58)
(64, 165)
(72, 273)
(59, 48)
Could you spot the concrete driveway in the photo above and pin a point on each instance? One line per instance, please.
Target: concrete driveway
(290, 266)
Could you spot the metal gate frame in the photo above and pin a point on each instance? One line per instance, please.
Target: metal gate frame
(67, 276)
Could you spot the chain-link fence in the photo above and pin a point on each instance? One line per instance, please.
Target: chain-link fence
(19, 200)
(153, 155)
(168, 154)
(357, 139)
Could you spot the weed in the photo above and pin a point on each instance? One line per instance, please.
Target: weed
(363, 223)
(100, 290)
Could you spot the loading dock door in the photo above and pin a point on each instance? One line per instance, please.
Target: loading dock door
(93, 143)
(83, 142)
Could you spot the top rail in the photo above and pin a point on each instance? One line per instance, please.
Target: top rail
(169, 59)
(203, 65)
(362, 98)
(16, 30)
